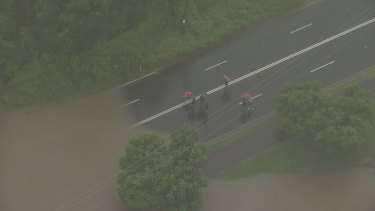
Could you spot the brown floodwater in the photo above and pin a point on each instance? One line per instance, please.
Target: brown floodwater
(350, 191)
(65, 157)
(62, 157)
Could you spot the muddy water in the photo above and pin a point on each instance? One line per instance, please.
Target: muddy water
(62, 156)
(335, 192)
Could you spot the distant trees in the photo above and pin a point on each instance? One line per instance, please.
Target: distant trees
(160, 176)
(50, 47)
(58, 26)
(340, 122)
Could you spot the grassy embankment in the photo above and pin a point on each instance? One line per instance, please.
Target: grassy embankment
(295, 156)
(112, 62)
(222, 143)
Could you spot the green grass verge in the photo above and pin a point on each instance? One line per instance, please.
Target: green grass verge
(352, 81)
(241, 134)
(294, 156)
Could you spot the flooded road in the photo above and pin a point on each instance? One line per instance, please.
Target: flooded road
(342, 191)
(65, 157)
(55, 157)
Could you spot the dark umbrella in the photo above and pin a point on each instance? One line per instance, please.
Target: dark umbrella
(203, 94)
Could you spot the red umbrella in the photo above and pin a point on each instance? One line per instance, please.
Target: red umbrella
(244, 95)
(188, 93)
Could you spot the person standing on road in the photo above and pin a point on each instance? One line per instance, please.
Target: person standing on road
(206, 107)
(201, 99)
(226, 80)
(193, 100)
(244, 101)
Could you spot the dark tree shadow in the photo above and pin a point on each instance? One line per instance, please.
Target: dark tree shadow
(245, 116)
(202, 115)
(191, 114)
(188, 107)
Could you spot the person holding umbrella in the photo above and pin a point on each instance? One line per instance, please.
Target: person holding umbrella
(226, 80)
(202, 97)
(188, 94)
(193, 100)
(246, 100)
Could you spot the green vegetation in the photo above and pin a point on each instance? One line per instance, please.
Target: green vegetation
(157, 176)
(54, 49)
(357, 79)
(294, 156)
(340, 123)
(241, 134)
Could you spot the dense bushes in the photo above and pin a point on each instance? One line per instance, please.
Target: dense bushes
(339, 123)
(51, 49)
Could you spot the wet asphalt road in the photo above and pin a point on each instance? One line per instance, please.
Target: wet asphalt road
(257, 48)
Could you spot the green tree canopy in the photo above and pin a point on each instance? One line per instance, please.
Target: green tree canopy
(340, 122)
(139, 185)
(160, 176)
(70, 41)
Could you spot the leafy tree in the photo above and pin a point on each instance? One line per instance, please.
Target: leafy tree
(160, 176)
(297, 104)
(340, 122)
(138, 182)
(188, 159)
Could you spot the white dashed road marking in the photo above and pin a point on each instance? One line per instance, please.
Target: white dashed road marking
(301, 28)
(256, 96)
(321, 67)
(128, 103)
(215, 65)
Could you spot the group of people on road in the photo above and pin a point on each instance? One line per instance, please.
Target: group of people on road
(246, 99)
(203, 104)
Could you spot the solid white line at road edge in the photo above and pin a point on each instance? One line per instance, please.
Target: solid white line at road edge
(216, 65)
(301, 28)
(262, 69)
(322, 66)
(128, 103)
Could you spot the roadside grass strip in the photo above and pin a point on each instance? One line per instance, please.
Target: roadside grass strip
(232, 138)
(360, 77)
(292, 156)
